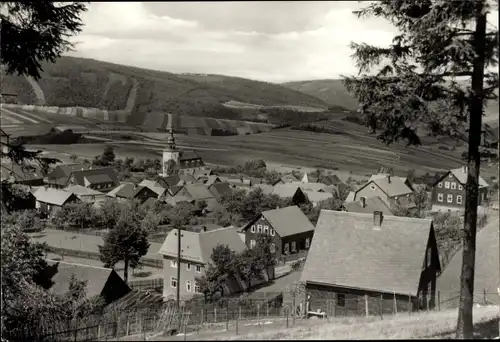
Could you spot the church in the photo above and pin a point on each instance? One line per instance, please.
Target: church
(187, 162)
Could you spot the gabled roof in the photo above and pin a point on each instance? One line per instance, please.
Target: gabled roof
(486, 271)
(96, 277)
(461, 176)
(212, 179)
(198, 191)
(187, 179)
(315, 197)
(285, 190)
(98, 179)
(188, 155)
(173, 190)
(220, 189)
(127, 190)
(308, 186)
(202, 173)
(288, 178)
(371, 204)
(171, 180)
(198, 247)
(350, 197)
(179, 199)
(362, 257)
(288, 221)
(266, 188)
(329, 180)
(53, 196)
(82, 191)
(62, 172)
(153, 185)
(101, 175)
(393, 186)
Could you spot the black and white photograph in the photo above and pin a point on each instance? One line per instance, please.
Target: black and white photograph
(249, 170)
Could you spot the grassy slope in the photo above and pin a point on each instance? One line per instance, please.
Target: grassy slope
(91, 83)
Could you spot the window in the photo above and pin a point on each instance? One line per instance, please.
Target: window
(341, 300)
(173, 282)
(287, 248)
(449, 198)
(197, 288)
(259, 228)
(459, 199)
(252, 243)
(460, 187)
(188, 286)
(447, 185)
(272, 248)
(198, 269)
(188, 267)
(440, 197)
(252, 229)
(293, 246)
(266, 229)
(272, 232)
(440, 185)
(173, 263)
(307, 242)
(453, 185)
(429, 256)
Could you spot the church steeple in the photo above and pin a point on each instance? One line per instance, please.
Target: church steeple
(171, 141)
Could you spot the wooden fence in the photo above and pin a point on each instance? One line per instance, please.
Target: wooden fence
(146, 284)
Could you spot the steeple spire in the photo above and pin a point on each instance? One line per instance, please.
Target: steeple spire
(171, 140)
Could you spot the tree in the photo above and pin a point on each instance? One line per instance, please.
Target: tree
(79, 214)
(126, 242)
(26, 220)
(108, 213)
(432, 74)
(108, 156)
(35, 32)
(73, 158)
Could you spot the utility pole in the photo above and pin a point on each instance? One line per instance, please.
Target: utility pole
(178, 267)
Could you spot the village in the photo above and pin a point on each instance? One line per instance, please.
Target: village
(398, 235)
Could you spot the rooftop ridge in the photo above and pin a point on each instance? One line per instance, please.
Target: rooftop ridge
(391, 217)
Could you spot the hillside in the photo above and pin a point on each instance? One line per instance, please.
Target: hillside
(333, 93)
(79, 82)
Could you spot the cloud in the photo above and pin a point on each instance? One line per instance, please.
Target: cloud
(274, 41)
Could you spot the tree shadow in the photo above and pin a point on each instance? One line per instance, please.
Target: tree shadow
(483, 330)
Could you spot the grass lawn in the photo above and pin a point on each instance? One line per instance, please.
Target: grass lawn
(433, 325)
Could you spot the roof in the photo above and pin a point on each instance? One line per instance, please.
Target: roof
(171, 180)
(96, 277)
(394, 187)
(371, 204)
(212, 179)
(198, 247)
(329, 180)
(82, 191)
(176, 199)
(288, 221)
(350, 197)
(188, 155)
(461, 176)
(202, 173)
(187, 178)
(266, 188)
(220, 189)
(486, 271)
(308, 186)
(52, 196)
(388, 259)
(95, 176)
(316, 197)
(285, 190)
(198, 191)
(153, 185)
(173, 190)
(289, 178)
(126, 190)
(61, 173)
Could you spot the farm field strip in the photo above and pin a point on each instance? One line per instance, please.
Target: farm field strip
(31, 115)
(5, 118)
(23, 118)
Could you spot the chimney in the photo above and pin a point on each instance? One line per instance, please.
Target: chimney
(377, 218)
(388, 179)
(363, 201)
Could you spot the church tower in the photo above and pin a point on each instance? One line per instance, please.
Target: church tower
(170, 153)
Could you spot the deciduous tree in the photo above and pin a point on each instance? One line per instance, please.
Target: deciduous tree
(433, 74)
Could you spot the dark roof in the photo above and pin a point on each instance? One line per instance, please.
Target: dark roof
(486, 271)
(198, 191)
(220, 189)
(329, 180)
(61, 173)
(371, 204)
(95, 176)
(171, 180)
(188, 155)
(96, 277)
(155, 186)
(173, 190)
(128, 190)
(187, 178)
(212, 179)
(288, 221)
(347, 251)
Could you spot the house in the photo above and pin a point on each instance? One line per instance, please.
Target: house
(392, 190)
(315, 197)
(196, 255)
(202, 173)
(209, 180)
(382, 175)
(330, 180)
(26, 174)
(129, 191)
(309, 178)
(448, 193)
(288, 178)
(220, 189)
(309, 186)
(198, 192)
(290, 190)
(158, 188)
(86, 194)
(100, 281)
(486, 270)
(382, 257)
(102, 179)
(50, 200)
(290, 228)
(368, 206)
(187, 162)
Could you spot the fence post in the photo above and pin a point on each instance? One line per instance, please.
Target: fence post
(427, 302)
(202, 321)
(99, 331)
(227, 319)
(410, 304)
(367, 313)
(484, 297)
(267, 306)
(258, 313)
(395, 304)
(334, 314)
(439, 301)
(215, 314)
(239, 312)
(286, 313)
(237, 323)
(381, 306)
(128, 326)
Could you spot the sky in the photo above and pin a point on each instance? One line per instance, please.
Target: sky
(277, 41)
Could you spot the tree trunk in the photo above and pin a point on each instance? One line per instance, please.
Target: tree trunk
(125, 270)
(465, 324)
